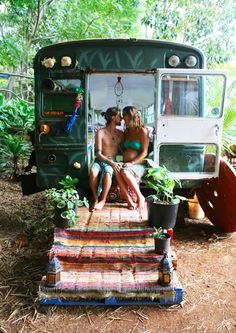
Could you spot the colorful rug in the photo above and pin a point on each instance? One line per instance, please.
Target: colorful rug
(108, 253)
(105, 247)
(111, 217)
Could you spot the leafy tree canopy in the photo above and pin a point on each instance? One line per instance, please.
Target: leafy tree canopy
(28, 25)
(210, 25)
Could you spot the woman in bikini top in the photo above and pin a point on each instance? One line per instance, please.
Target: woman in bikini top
(136, 145)
(135, 150)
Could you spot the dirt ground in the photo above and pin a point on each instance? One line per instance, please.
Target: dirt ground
(206, 269)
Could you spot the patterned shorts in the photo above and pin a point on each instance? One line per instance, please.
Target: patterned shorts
(103, 167)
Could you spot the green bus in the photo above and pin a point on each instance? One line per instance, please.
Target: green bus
(180, 102)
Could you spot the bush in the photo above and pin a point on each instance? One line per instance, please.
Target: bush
(16, 121)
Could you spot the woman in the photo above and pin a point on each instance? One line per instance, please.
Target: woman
(135, 150)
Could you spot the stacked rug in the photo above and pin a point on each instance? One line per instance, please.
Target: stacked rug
(109, 253)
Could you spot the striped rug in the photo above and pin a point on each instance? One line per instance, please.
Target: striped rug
(111, 251)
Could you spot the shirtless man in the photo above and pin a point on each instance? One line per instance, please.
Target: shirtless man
(107, 141)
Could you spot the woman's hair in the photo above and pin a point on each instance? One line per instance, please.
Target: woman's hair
(110, 112)
(135, 119)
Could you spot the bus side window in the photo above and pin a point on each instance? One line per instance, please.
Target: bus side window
(180, 97)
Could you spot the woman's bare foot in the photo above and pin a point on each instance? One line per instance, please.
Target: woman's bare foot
(141, 202)
(132, 207)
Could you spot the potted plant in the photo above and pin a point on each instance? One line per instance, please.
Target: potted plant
(64, 201)
(163, 204)
(161, 240)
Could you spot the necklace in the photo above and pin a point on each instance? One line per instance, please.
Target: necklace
(113, 138)
(112, 135)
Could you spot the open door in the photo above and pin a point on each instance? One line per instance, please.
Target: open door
(106, 89)
(189, 117)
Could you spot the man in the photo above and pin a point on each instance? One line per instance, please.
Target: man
(107, 141)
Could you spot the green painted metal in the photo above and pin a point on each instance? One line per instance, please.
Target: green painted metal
(57, 151)
(115, 54)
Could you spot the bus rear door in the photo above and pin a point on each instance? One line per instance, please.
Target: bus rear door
(189, 119)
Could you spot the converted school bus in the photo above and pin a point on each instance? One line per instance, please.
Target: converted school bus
(180, 102)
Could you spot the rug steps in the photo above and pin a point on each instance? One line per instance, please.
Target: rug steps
(108, 259)
(65, 257)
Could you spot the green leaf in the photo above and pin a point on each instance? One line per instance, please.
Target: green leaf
(160, 180)
(61, 204)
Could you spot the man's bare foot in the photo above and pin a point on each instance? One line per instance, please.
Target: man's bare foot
(141, 202)
(100, 205)
(92, 208)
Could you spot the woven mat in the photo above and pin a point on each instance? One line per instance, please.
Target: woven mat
(112, 216)
(107, 251)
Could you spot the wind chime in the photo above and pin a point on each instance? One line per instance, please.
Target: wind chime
(77, 104)
(118, 90)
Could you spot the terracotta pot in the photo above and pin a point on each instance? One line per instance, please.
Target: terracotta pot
(195, 211)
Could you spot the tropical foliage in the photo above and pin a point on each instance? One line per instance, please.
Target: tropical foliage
(210, 25)
(16, 121)
(161, 180)
(158, 233)
(14, 152)
(65, 199)
(229, 124)
(29, 25)
(16, 115)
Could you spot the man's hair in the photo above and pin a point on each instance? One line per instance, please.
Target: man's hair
(135, 119)
(110, 112)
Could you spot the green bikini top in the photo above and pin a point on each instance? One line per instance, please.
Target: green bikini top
(132, 144)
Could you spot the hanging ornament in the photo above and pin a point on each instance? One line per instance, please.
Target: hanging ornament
(48, 62)
(66, 61)
(77, 104)
(118, 90)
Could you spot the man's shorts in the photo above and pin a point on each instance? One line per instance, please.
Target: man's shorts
(103, 167)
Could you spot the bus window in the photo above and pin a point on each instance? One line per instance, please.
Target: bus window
(189, 158)
(192, 95)
(138, 90)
